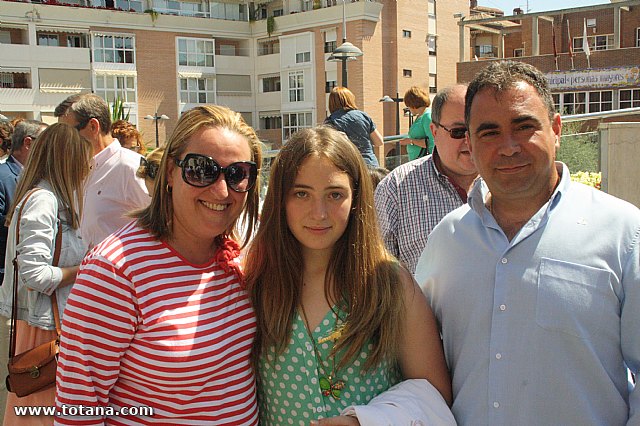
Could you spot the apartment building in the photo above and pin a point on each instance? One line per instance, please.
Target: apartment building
(268, 61)
(606, 78)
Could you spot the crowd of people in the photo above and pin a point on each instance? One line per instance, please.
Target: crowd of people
(473, 285)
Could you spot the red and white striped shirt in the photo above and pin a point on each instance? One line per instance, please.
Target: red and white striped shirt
(144, 327)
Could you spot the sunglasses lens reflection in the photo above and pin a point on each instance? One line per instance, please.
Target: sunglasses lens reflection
(201, 171)
(458, 132)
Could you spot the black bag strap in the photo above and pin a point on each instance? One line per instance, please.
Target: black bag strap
(54, 299)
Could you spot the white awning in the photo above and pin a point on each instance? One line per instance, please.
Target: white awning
(269, 114)
(16, 70)
(62, 30)
(122, 73)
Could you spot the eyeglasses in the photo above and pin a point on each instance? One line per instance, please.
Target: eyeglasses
(456, 132)
(200, 170)
(151, 169)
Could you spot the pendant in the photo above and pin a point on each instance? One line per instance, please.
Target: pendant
(329, 387)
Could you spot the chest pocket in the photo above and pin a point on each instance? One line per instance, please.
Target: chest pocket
(575, 299)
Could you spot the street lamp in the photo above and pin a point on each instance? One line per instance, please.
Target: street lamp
(155, 117)
(346, 51)
(396, 100)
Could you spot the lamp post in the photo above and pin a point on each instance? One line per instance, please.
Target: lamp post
(155, 117)
(346, 51)
(396, 100)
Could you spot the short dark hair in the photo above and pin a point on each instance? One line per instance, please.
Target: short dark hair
(502, 76)
(89, 106)
(64, 106)
(440, 99)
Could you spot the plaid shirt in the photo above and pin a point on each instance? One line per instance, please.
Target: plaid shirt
(410, 202)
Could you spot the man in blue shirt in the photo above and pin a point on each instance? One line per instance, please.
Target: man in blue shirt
(536, 282)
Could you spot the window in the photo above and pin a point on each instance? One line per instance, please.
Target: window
(112, 87)
(195, 52)
(303, 57)
(228, 11)
(330, 46)
(268, 123)
(197, 90)
(629, 98)
(485, 51)
(601, 101)
(406, 34)
(296, 86)
(598, 42)
(291, 123)
(135, 5)
(556, 102)
(76, 41)
(271, 84)
(113, 49)
(406, 73)
(433, 88)
(6, 80)
(637, 37)
(574, 103)
(48, 40)
(268, 47)
(518, 53)
(278, 12)
(329, 85)
(431, 40)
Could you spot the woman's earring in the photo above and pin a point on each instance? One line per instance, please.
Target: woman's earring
(168, 189)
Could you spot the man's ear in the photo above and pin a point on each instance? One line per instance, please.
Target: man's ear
(556, 126)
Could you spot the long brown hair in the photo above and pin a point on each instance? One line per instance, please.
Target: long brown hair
(63, 158)
(157, 218)
(366, 278)
(341, 98)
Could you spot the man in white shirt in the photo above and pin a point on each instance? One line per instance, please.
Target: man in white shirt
(112, 188)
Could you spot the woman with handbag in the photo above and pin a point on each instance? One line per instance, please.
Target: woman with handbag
(420, 141)
(48, 203)
(164, 317)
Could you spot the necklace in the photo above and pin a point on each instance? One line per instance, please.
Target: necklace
(328, 384)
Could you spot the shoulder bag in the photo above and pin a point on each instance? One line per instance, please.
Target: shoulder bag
(35, 369)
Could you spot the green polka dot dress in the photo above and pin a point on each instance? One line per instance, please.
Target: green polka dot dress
(288, 384)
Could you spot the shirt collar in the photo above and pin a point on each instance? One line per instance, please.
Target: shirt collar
(479, 191)
(102, 157)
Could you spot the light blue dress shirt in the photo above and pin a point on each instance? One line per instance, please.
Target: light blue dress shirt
(539, 330)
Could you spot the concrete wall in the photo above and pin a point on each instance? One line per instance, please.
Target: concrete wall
(620, 151)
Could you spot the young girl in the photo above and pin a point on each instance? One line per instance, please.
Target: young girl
(339, 320)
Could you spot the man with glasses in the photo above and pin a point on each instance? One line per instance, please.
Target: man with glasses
(112, 188)
(414, 197)
(23, 136)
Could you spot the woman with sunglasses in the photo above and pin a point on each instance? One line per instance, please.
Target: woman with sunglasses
(158, 316)
(420, 141)
(148, 169)
(340, 321)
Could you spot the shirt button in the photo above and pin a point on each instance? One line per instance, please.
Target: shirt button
(496, 404)
(503, 260)
(498, 356)
(319, 409)
(309, 347)
(503, 307)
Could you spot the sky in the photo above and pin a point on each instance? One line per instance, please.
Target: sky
(537, 5)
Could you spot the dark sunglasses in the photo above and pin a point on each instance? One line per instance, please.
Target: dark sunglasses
(150, 169)
(200, 170)
(456, 132)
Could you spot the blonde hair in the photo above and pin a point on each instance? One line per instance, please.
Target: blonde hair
(61, 157)
(416, 97)
(153, 158)
(157, 218)
(366, 278)
(341, 98)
